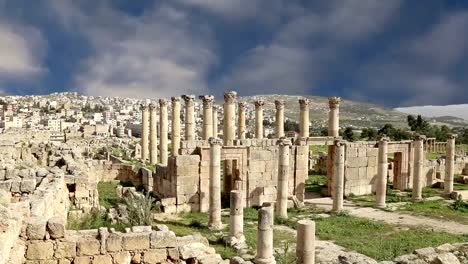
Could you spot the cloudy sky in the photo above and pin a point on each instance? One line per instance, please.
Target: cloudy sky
(392, 52)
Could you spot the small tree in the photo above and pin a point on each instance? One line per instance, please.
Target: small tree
(348, 134)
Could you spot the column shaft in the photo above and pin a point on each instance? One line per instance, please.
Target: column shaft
(382, 170)
(259, 119)
(189, 117)
(304, 118)
(229, 126)
(265, 236)
(163, 133)
(153, 150)
(338, 177)
(215, 184)
(449, 165)
(279, 128)
(283, 174)
(305, 247)
(215, 121)
(236, 218)
(144, 132)
(175, 131)
(333, 116)
(207, 116)
(418, 167)
(241, 121)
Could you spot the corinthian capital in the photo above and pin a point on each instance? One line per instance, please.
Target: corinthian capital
(207, 100)
(242, 106)
(304, 103)
(163, 102)
(144, 107)
(279, 104)
(175, 99)
(215, 141)
(259, 104)
(334, 102)
(230, 97)
(189, 99)
(152, 107)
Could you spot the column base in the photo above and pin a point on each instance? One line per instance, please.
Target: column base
(216, 226)
(265, 260)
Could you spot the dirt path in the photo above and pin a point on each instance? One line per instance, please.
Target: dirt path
(394, 218)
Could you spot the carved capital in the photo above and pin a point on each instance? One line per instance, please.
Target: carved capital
(452, 136)
(215, 141)
(418, 137)
(338, 142)
(175, 99)
(334, 102)
(163, 102)
(304, 104)
(144, 107)
(207, 100)
(279, 104)
(259, 104)
(242, 106)
(383, 138)
(230, 97)
(152, 107)
(189, 99)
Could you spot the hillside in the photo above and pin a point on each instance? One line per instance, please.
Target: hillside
(352, 113)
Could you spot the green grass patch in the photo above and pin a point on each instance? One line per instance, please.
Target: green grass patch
(92, 221)
(432, 155)
(107, 194)
(314, 183)
(438, 210)
(318, 148)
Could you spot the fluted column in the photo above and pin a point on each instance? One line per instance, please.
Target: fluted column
(215, 121)
(304, 118)
(241, 125)
(259, 119)
(163, 133)
(215, 184)
(144, 131)
(189, 117)
(283, 175)
(153, 149)
(175, 131)
(418, 167)
(338, 177)
(229, 126)
(449, 164)
(207, 116)
(382, 171)
(333, 116)
(279, 128)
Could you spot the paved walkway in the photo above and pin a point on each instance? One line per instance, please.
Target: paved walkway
(394, 218)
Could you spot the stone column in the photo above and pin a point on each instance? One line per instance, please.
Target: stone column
(207, 116)
(265, 236)
(338, 177)
(163, 134)
(153, 135)
(215, 184)
(333, 116)
(241, 125)
(418, 167)
(283, 175)
(144, 132)
(259, 119)
(449, 164)
(305, 246)
(215, 121)
(189, 117)
(229, 126)
(304, 118)
(279, 128)
(382, 171)
(236, 218)
(175, 131)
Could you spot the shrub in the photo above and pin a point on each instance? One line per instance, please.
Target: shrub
(139, 208)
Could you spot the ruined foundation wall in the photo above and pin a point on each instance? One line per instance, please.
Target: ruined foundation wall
(360, 168)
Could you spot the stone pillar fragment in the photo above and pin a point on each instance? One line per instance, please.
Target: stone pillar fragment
(215, 184)
(283, 175)
(175, 131)
(418, 167)
(265, 236)
(153, 149)
(241, 121)
(338, 177)
(207, 116)
(163, 133)
(189, 117)
(382, 171)
(304, 118)
(215, 121)
(144, 132)
(305, 248)
(333, 116)
(259, 119)
(236, 218)
(449, 164)
(279, 128)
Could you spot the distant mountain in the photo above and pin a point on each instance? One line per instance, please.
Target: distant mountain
(460, 111)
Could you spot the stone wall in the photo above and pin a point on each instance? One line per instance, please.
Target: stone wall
(140, 244)
(360, 168)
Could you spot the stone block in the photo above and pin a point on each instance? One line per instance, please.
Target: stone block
(56, 227)
(122, 257)
(5, 185)
(154, 256)
(82, 260)
(15, 186)
(65, 249)
(40, 250)
(88, 247)
(195, 250)
(362, 172)
(114, 242)
(135, 241)
(352, 174)
(362, 152)
(36, 228)
(163, 239)
(102, 259)
(173, 253)
(372, 161)
(446, 258)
